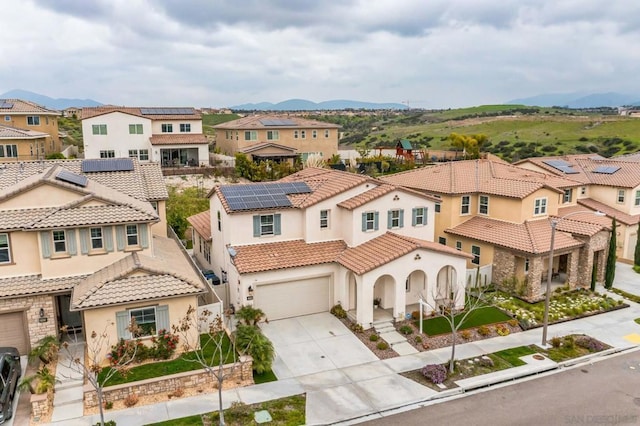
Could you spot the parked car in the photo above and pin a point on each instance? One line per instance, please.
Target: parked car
(10, 372)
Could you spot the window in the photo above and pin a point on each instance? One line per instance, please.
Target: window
(133, 153)
(154, 204)
(419, 216)
(324, 219)
(59, 241)
(107, 154)
(167, 128)
(303, 134)
(9, 151)
(583, 190)
(219, 221)
(96, 238)
(207, 252)
(459, 245)
(273, 135)
(326, 133)
(295, 134)
(7, 118)
(99, 129)
(637, 201)
(407, 285)
(132, 235)
(475, 251)
(33, 120)
(437, 208)
(250, 135)
(5, 253)
(142, 154)
(135, 129)
(526, 265)
(442, 240)
(568, 195)
(540, 206)
(185, 127)
(464, 204)
(483, 208)
(395, 218)
(145, 319)
(265, 225)
(621, 196)
(314, 134)
(369, 221)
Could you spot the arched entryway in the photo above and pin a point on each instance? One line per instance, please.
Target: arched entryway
(446, 284)
(415, 285)
(351, 304)
(384, 290)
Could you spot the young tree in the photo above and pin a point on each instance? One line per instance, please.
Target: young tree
(610, 271)
(636, 253)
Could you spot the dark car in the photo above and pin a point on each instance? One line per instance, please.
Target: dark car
(10, 371)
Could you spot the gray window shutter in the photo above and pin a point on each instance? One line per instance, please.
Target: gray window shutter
(426, 215)
(45, 239)
(414, 213)
(401, 221)
(256, 226)
(122, 324)
(364, 222)
(277, 226)
(72, 246)
(120, 237)
(375, 220)
(388, 219)
(84, 240)
(162, 317)
(108, 237)
(144, 235)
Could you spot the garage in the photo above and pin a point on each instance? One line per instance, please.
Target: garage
(294, 298)
(13, 332)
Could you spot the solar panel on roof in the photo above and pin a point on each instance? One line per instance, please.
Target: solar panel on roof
(278, 122)
(561, 165)
(5, 104)
(255, 196)
(69, 177)
(167, 111)
(107, 165)
(607, 170)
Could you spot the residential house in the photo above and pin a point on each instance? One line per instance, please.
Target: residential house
(502, 215)
(83, 244)
(72, 112)
(609, 185)
(321, 237)
(29, 131)
(277, 138)
(170, 136)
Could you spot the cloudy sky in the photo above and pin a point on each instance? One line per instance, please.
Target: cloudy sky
(432, 53)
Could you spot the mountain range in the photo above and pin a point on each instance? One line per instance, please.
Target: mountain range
(46, 101)
(305, 105)
(579, 100)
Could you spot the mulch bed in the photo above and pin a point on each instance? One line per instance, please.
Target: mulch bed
(364, 338)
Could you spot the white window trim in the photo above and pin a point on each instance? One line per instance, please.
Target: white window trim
(475, 256)
(128, 234)
(395, 219)
(481, 204)
(92, 239)
(324, 219)
(63, 241)
(421, 216)
(371, 221)
(542, 207)
(465, 205)
(7, 248)
(621, 196)
(264, 226)
(155, 316)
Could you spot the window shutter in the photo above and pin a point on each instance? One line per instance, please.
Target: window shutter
(426, 216)
(401, 220)
(84, 240)
(122, 324)
(120, 237)
(414, 213)
(108, 238)
(364, 222)
(375, 220)
(388, 219)
(72, 246)
(45, 240)
(256, 226)
(277, 227)
(144, 235)
(162, 317)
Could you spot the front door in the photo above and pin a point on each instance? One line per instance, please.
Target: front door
(72, 319)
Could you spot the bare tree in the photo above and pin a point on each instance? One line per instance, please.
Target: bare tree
(91, 366)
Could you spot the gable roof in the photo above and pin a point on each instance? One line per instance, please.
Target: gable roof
(478, 176)
(263, 145)
(90, 112)
(23, 285)
(287, 122)
(8, 132)
(21, 107)
(201, 222)
(179, 139)
(611, 212)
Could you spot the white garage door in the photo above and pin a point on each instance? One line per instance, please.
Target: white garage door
(13, 332)
(294, 298)
(633, 239)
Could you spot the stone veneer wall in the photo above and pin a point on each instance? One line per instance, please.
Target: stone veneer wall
(597, 243)
(32, 305)
(41, 405)
(235, 376)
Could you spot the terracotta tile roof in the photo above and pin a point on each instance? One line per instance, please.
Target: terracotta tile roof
(34, 284)
(532, 236)
(168, 273)
(286, 254)
(261, 145)
(611, 212)
(179, 139)
(7, 132)
(635, 157)
(153, 180)
(89, 112)
(478, 176)
(24, 107)
(16, 219)
(385, 248)
(367, 196)
(201, 222)
(583, 215)
(254, 122)
(92, 215)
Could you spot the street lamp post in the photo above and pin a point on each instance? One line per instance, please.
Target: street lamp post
(547, 299)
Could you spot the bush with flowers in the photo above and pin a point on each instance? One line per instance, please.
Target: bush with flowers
(164, 344)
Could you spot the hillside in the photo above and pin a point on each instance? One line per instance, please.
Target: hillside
(46, 101)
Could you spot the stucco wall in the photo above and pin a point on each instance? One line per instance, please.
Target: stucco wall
(117, 138)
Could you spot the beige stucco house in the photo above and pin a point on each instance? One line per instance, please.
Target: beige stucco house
(321, 237)
(83, 244)
(502, 215)
(28, 131)
(278, 138)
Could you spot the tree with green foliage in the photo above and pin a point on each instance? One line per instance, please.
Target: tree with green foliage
(55, 156)
(469, 144)
(610, 271)
(249, 340)
(636, 253)
(182, 204)
(594, 273)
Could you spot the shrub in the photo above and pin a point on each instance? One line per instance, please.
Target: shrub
(250, 340)
(556, 342)
(382, 345)
(164, 345)
(483, 330)
(406, 330)
(108, 405)
(338, 311)
(127, 349)
(176, 393)
(374, 338)
(356, 328)
(502, 330)
(131, 400)
(513, 322)
(569, 342)
(418, 339)
(486, 361)
(435, 373)
(107, 423)
(591, 344)
(466, 334)
(415, 315)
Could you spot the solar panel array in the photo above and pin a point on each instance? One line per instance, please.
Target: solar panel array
(561, 165)
(69, 177)
(607, 170)
(167, 111)
(278, 122)
(262, 195)
(5, 104)
(107, 165)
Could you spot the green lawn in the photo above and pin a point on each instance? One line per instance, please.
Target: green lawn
(267, 376)
(480, 316)
(512, 355)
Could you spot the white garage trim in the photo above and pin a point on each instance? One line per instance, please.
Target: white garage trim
(287, 299)
(13, 331)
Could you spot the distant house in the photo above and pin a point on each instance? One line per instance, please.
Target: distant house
(71, 112)
(170, 136)
(29, 131)
(278, 138)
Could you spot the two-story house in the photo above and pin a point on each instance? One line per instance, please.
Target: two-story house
(277, 138)
(502, 215)
(28, 131)
(321, 237)
(611, 186)
(83, 244)
(170, 136)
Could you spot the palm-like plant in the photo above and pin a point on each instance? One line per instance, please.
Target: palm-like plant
(250, 315)
(46, 350)
(44, 381)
